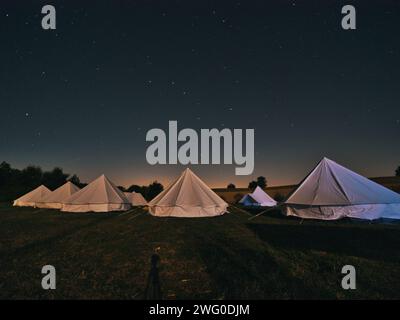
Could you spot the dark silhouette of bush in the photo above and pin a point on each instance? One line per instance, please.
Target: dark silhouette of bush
(231, 186)
(237, 197)
(252, 185)
(260, 182)
(279, 198)
(148, 192)
(14, 182)
(76, 181)
(153, 190)
(121, 188)
(55, 178)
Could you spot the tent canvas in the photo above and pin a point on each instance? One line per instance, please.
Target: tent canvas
(101, 195)
(54, 200)
(188, 196)
(32, 198)
(136, 199)
(332, 191)
(258, 198)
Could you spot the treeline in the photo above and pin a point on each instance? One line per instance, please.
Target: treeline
(148, 192)
(15, 183)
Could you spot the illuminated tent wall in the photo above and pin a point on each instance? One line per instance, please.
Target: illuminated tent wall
(136, 199)
(101, 195)
(54, 200)
(332, 192)
(258, 198)
(188, 196)
(32, 198)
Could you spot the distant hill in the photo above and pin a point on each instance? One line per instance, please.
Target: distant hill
(234, 195)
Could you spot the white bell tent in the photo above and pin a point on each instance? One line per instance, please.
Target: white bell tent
(136, 199)
(54, 200)
(188, 196)
(101, 195)
(32, 198)
(258, 198)
(331, 192)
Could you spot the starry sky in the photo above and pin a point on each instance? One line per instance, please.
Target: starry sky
(84, 95)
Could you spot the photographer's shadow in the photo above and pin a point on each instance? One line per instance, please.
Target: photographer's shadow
(153, 288)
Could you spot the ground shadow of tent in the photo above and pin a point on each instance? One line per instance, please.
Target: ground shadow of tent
(364, 242)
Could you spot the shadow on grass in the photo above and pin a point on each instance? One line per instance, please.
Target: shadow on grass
(49, 240)
(372, 242)
(153, 289)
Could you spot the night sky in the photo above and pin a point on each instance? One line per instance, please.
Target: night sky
(84, 96)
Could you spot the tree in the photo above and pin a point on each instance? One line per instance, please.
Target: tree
(31, 177)
(262, 182)
(231, 186)
(398, 171)
(153, 190)
(5, 171)
(121, 188)
(10, 184)
(238, 197)
(252, 185)
(55, 178)
(279, 197)
(76, 181)
(136, 188)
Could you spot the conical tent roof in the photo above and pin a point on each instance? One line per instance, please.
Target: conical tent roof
(332, 184)
(32, 198)
(54, 200)
(188, 196)
(136, 198)
(101, 195)
(261, 197)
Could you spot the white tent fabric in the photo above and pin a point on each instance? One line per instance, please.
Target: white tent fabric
(101, 195)
(136, 199)
(54, 200)
(188, 196)
(258, 198)
(32, 198)
(331, 192)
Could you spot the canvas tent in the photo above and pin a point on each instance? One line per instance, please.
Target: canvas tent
(188, 196)
(258, 198)
(101, 195)
(136, 199)
(54, 200)
(331, 192)
(32, 198)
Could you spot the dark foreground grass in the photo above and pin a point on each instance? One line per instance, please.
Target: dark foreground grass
(107, 256)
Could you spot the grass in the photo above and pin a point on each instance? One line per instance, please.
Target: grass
(107, 256)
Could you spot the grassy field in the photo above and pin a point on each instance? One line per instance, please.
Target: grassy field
(107, 256)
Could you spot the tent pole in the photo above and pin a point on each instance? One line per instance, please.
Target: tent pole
(262, 212)
(241, 210)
